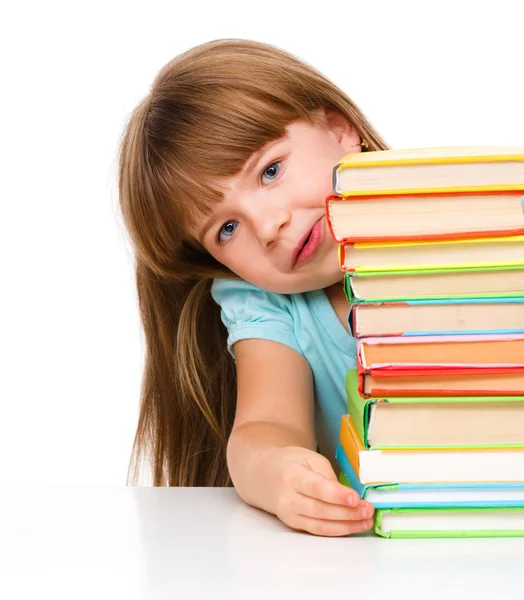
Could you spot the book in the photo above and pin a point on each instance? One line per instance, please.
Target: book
(429, 216)
(502, 353)
(435, 284)
(444, 254)
(435, 422)
(449, 466)
(429, 170)
(459, 365)
(456, 522)
(437, 317)
(508, 384)
(430, 495)
(435, 434)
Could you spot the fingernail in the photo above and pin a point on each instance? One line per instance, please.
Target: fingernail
(369, 523)
(364, 512)
(352, 500)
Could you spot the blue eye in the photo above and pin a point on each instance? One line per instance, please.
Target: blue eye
(227, 230)
(271, 171)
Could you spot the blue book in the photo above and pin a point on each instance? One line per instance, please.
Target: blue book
(406, 495)
(437, 317)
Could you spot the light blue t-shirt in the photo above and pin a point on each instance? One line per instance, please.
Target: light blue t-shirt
(306, 322)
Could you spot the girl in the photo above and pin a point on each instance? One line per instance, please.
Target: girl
(224, 171)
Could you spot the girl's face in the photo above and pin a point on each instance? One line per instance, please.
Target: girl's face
(271, 228)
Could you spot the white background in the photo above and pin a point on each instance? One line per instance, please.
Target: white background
(426, 74)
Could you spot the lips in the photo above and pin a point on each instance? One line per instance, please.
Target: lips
(308, 244)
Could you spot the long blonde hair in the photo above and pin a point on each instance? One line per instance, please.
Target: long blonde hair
(207, 111)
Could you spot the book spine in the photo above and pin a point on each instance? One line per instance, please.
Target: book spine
(349, 472)
(465, 189)
(352, 321)
(348, 288)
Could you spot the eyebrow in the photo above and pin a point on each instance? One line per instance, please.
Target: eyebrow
(202, 234)
(257, 156)
(246, 171)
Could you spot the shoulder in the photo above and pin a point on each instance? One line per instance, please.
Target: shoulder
(251, 312)
(239, 295)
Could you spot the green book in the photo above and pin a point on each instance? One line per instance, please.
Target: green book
(435, 422)
(446, 522)
(438, 284)
(449, 522)
(343, 479)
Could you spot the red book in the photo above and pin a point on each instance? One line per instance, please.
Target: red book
(455, 365)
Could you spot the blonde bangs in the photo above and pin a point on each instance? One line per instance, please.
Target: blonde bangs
(218, 135)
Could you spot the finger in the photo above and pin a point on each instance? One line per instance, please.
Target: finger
(318, 509)
(317, 486)
(328, 528)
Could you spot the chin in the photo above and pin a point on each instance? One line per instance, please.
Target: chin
(298, 283)
(299, 287)
(281, 287)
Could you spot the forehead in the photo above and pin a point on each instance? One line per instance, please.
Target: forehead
(217, 187)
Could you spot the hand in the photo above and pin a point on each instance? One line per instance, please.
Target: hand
(308, 496)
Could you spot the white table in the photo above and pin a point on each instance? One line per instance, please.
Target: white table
(177, 543)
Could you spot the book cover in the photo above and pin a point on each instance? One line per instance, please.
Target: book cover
(429, 170)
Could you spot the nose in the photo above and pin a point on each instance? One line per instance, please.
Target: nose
(270, 223)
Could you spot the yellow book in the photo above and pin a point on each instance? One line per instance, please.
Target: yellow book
(435, 284)
(430, 170)
(470, 253)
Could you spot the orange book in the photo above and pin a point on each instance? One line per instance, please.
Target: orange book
(452, 352)
(507, 384)
(472, 365)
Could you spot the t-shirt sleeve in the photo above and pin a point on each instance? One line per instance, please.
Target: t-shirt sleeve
(248, 311)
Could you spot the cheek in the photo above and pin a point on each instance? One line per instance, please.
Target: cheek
(322, 170)
(315, 181)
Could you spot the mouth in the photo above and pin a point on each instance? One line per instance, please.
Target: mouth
(308, 244)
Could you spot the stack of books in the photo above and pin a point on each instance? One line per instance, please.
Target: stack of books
(434, 274)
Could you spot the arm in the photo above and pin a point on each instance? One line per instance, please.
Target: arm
(271, 451)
